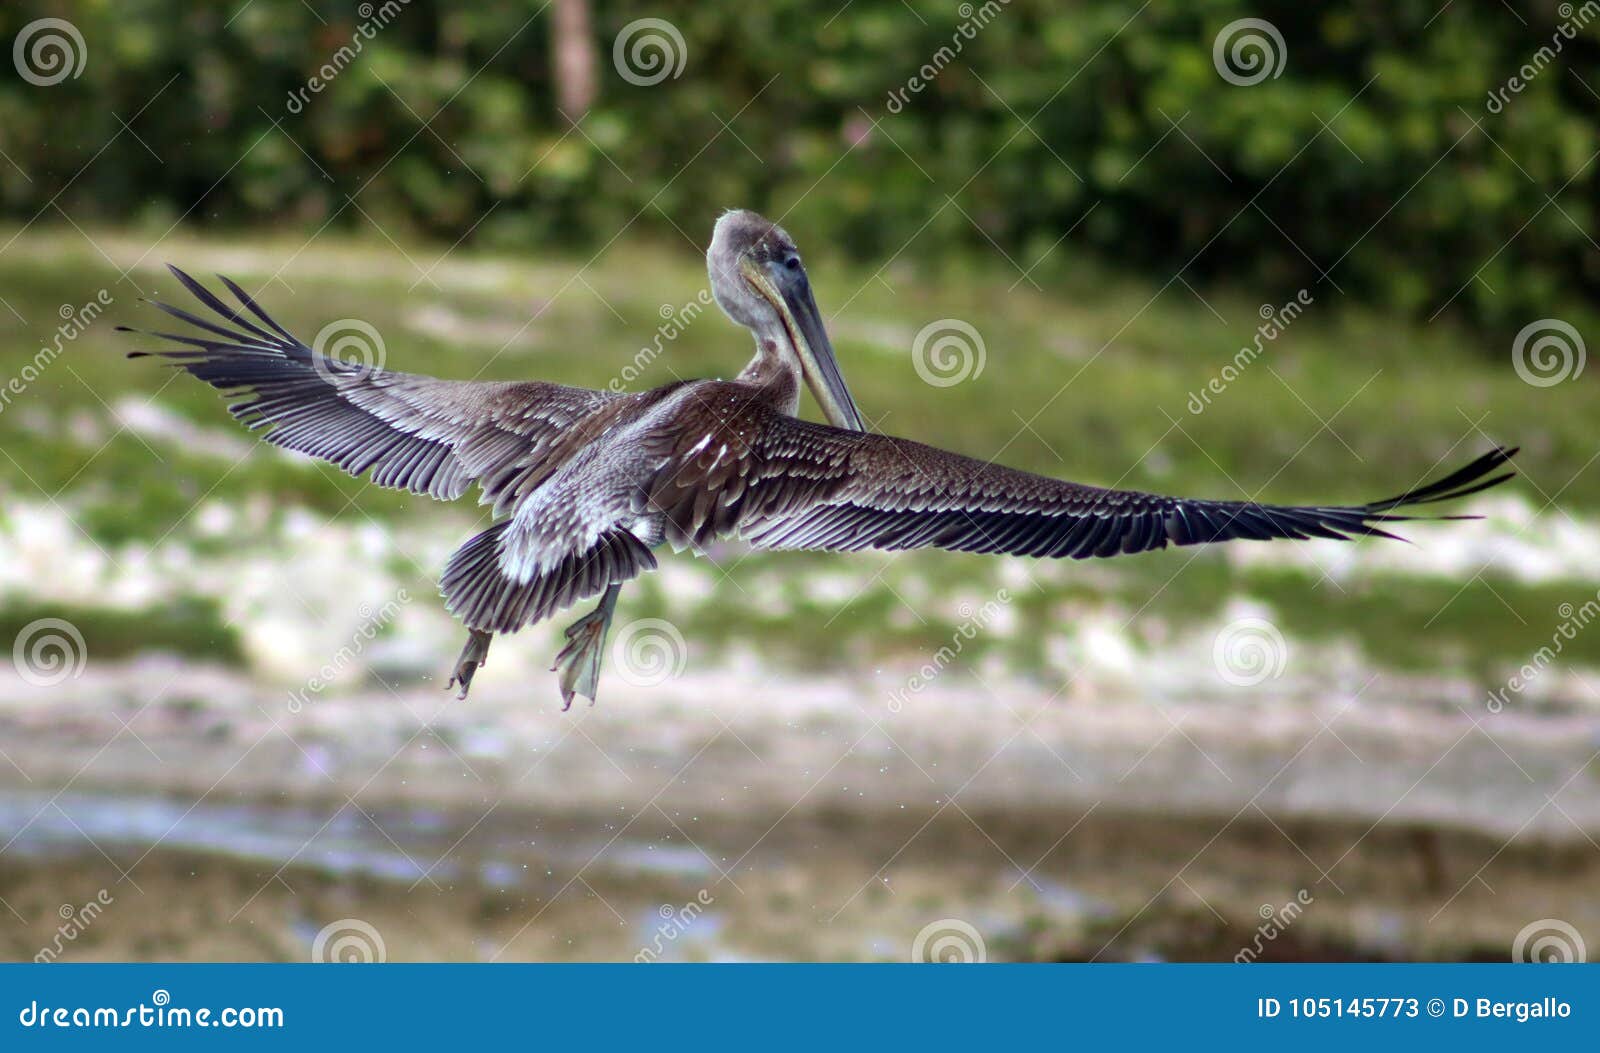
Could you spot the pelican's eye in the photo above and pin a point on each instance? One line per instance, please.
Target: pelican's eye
(793, 263)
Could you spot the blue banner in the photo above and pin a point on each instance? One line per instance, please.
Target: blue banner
(795, 1006)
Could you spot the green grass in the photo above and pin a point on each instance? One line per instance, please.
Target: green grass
(1088, 379)
(1478, 628)
(190, 626)
(1100, 369)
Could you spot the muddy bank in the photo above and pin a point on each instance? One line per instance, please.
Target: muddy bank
(1381, 748)
(1042, 886)
(701, 819)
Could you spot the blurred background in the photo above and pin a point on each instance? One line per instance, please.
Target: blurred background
(1302, 253)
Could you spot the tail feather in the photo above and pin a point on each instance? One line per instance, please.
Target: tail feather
(478, 590)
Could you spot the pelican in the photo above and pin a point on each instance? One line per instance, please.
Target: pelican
(584, 484)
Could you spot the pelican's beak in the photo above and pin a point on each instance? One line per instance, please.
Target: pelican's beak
(798, 309)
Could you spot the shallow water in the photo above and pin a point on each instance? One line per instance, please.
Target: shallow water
(257, 880)
(690, 820)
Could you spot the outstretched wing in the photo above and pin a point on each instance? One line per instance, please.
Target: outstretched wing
(799, 485)
(412, 432)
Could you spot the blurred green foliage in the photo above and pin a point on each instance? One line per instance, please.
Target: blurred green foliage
(1374, 158)
(186, 625)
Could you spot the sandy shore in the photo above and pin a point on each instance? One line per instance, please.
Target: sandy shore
(816, 822)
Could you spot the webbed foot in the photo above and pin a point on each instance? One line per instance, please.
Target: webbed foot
(578, 665)
(473, 655)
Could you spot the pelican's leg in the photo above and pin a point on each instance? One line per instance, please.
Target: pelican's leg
(579, 662)
(472, 656)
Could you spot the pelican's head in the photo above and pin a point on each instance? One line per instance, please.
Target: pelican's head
(758, 279)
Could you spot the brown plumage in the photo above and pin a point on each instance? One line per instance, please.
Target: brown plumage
(584, 483)
(808, 486)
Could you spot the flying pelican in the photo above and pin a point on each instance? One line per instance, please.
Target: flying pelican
(585, 483)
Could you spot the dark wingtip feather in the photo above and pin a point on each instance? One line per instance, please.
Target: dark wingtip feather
(1459, 483)
(1368, 530)
(256, 309)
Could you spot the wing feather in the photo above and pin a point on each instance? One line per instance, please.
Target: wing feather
(412, 432)
(809, 486)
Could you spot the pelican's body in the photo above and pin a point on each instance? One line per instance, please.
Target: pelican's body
(585, 483)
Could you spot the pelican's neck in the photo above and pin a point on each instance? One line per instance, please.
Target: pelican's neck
(776, 373)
